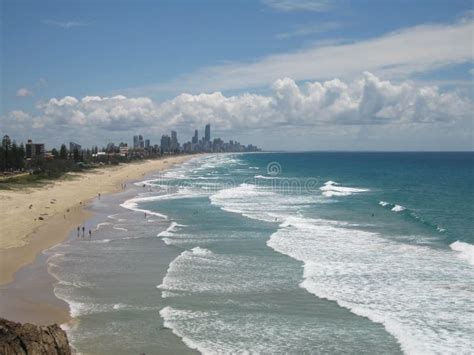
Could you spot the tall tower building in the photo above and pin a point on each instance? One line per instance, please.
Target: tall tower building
(165, 144)
(207, 133)
(195, 138)
(138, 142)
(174, 141)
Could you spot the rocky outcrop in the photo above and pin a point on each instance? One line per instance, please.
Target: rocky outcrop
(19, 339)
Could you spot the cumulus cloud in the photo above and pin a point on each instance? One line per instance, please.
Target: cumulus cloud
(111, 113)
(23, 92)
(18, 116)
(368, 100)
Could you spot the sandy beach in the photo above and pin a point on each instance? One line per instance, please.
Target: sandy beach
(61, 205)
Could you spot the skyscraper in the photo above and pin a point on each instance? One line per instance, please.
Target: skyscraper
(138, 142)
(165, 144)
(207, 133)
(195, 138)
(33, 149)
(174, 141)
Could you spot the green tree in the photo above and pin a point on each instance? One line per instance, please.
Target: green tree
(20, 158)
(63, 152)
(16, 157)
(6, 145)
(2, 159)
(76, 154)
(55, 153)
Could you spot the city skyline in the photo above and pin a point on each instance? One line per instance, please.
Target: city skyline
(168, 144)
(299, 75)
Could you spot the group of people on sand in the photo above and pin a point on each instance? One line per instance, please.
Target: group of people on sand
(83, 232)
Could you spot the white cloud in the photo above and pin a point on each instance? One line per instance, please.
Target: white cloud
(64, 24)
(19, 116)
(298, 5)
(364, 101)
(23, 92)
(309, 29)
(394, 55)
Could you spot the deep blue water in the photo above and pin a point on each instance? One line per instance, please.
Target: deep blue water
(309, 253)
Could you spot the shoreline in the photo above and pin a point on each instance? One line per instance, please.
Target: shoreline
(31, 299)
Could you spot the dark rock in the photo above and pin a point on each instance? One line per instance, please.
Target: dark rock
(20, 339)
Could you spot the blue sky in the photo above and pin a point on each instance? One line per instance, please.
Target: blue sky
(160, 49)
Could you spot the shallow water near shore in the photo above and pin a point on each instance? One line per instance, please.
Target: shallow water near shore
(108, 282)
(291, 252)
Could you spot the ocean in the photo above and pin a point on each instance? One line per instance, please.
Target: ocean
(327, 253)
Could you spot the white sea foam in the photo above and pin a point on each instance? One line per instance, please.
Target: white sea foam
(266, 177)
(175, 283)
(132, 204)
(169, 231)
(101, 241)
(168, 241)
(398, 208)
(201, 251)
(420, 294)
(200, 270)
(465, 251)
(332, 188)
(77, 309)
(100, 225)
(172, 320)
(260, 203)
(76, 284)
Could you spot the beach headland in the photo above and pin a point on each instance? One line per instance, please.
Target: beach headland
(37, 218)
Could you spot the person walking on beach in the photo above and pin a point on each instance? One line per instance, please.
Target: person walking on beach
(78, 230)
(90, 234)
(83, 231)
(99, 195)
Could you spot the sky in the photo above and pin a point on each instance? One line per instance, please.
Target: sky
(381, 75)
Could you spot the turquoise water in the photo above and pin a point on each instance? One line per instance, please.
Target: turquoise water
(282, 253)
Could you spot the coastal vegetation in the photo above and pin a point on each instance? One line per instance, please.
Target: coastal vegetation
(19, 169)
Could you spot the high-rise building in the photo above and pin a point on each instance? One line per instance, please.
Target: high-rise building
(174, 141)
(195, 138)
(207, 133)
(138, 142)
(34, 149)
(165, 144)
(147, 144)
(110, 147)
